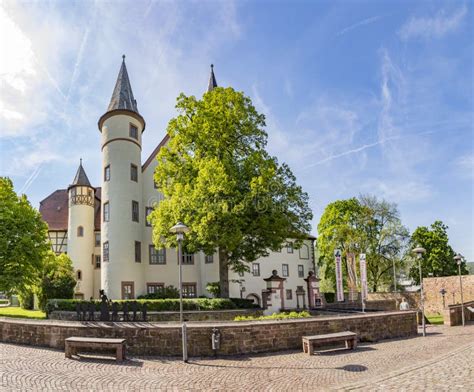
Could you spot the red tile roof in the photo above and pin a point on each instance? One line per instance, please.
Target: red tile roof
(54, 209)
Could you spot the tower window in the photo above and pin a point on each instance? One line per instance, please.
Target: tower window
(148, 211)
(97, 261)
(255, 269)
(105, 251)
(138, 252)
(133, 172)
(135, 211)
(79, 275)
(284, 270)
(106, 212)
(80, 231)
(107, 173)
(300, 271)
(133, 132)
(97, 238)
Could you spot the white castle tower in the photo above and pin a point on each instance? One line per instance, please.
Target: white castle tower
(81, 232)
(123, 215)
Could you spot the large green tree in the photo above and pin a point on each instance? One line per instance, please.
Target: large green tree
(218, 179)
(439, 257)
(23, 241)
(362, 225)
(57, 279)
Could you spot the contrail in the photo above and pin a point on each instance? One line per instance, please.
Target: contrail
(358, 24)
(30, 179)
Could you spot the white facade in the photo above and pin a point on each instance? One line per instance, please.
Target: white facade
(116, 253)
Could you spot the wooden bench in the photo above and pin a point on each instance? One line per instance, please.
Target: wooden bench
(350, 338)
(74, 343)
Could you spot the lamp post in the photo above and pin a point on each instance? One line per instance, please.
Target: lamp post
(458, 259)
(180, 229)
(443, 293)
(419, 251)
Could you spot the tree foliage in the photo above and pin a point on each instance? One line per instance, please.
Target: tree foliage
(362, 225)
(23, 241)
(439, 257)
(57, 279)
(218, 179)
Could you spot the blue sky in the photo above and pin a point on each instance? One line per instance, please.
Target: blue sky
(360, 97)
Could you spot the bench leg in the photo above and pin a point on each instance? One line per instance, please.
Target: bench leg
(120, 353)
(67, 351)
(305, 347)
(354, 344)
(311, 348)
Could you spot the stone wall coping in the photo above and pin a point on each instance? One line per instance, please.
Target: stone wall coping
(166, 312)
(194, 325)
(454, 306)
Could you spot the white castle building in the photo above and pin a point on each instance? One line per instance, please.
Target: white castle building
(105, 232)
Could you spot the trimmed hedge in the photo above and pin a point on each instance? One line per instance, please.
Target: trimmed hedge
(161, 305)
(275, 316)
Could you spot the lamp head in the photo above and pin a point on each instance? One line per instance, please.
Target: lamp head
(458, 259)
(419, 251)
(180, 228)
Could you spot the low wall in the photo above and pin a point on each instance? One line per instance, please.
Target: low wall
(433, 298)
(236, 337)
(453, 314)
(379, 305)
(202, 315)
(413, 299)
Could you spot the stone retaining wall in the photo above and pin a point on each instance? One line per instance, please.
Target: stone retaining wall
(453, 314)
(202, 315)
(378, 305)
(236, 337)
(413, 299)
(433, 298)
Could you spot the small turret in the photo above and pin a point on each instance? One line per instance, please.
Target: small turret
(212, 80)
(81, 232)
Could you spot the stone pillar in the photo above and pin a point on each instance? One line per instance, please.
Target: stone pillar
(314, 296)
(274, 293)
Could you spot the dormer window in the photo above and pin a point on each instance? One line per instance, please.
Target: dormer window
(133, 132)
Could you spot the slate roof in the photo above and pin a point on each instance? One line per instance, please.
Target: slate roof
(122, 97)
(81, 177)
(212, 80)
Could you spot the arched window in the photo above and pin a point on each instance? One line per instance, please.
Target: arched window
(304, 252)
(80, 231)
(79, 275)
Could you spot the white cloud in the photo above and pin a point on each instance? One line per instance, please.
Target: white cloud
(436, 26)
(465, 165)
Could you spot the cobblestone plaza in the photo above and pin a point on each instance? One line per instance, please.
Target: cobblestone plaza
(441, 361)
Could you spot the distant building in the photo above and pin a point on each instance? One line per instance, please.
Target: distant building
(105, 232)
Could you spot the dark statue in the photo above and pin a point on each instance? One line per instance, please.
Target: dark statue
(104, 309)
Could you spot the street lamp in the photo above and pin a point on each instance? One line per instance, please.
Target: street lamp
(419, 251)
(443, 293)
(180, 229)
(458, 259)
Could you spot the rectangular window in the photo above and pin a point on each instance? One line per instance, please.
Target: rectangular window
(300, 271)
(107, 173)
(133, 172)
(284, 270)
(189, 290)
(106, 212)
(157, 256)
(187, 258)
(97, 239)
(209, 259)
(133, 132)
(148, 211)
(97, 261)
(154, 288)
(138, 252)
(289, 294)
(289, 247)
(105, 251)
(135, 211)
(128, 291)
(255, 269)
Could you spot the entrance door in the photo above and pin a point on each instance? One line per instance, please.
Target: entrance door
(128, 290)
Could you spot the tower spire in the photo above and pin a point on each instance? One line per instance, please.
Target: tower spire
(81, 177)
(122, 97)
(212, 80)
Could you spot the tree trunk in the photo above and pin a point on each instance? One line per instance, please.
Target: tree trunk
(223, 273)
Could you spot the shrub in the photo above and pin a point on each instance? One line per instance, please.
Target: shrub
(160, 305)
(330, 297)
(275, 316)
(214, 288)
(27, 300)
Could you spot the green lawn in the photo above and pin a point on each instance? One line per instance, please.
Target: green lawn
(13, 311)
(435, 319)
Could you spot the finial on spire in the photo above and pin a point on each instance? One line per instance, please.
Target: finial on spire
(212, 80)
(123, 57)
(80, 161)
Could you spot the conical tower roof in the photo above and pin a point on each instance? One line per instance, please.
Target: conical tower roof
(122, 97)
(212, 80)
(81, 177)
